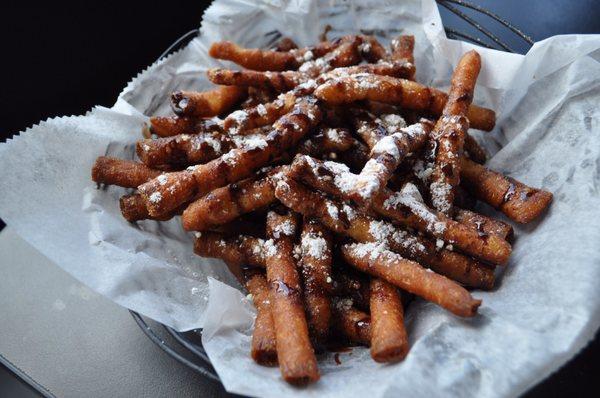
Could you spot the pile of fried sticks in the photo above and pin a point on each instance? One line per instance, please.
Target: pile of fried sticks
(335, 187)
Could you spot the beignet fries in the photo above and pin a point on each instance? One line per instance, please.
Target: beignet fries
(381, 168)
(295, 353)
(264, 349)
(389, 342)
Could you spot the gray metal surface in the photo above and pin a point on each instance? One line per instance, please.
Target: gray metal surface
(75, 343)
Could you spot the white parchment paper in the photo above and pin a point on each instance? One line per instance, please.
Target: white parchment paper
(546, 305)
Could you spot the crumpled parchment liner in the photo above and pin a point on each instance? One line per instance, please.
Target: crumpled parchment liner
(544, 309)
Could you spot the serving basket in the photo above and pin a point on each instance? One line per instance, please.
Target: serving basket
(470, 22)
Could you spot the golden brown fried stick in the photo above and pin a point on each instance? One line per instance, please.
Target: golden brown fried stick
(207, 103)
(403, 48)
(473, 150)
(345, 54)
(175, 125)
(316, 245)
(370, 49)
(260, 115)
(263, 349)
(174, 189)
(385, 157)
(257, 96)
(287, 80)
(406, 208)
(183, 149)
(449, 133)
(255, 59)
(389, 342)
(124, 173)
(325, 140)
(133, 208)
(484, 225)
(229, 202)
(351, 323)
(518, 201)
(285, 44)
(296, 357)
(406, 93)
(237, 251)
(348, 282)
(375, 259)
(346, 220)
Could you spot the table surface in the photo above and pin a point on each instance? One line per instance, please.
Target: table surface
(68, 339)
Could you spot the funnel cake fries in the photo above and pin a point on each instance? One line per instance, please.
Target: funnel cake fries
(353, 324)
(316, 244)
(183, 149)
(288, 80)
(295, 353)
(375, 259)
(405, 207)
(260, 115)
(237, 251)
(519, 202)
(403, 48)
(449, 133)
(165, 194)
(386, 155)
(381, 168)
(389, 341)
(207, 103)
(346, 220)
(124, 173)
(402, 92)
(227, 203)
(264, 350)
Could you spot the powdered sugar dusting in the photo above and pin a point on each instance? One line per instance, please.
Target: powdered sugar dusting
(315, 246)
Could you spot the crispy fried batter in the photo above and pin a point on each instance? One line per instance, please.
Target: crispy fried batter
(263, 349)
(207, 103)
(389, 341)
(351, 323)
(296, 356)
(124, 173)
(518, 201)
(410, 276)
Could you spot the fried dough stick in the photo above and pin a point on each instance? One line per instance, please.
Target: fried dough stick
(255, 59)
(351, 323)
(473, 150)
(518, 201)
(406, 208)
(287, 80)
(403, 48)
(345, 220)
(183, 149)
(389, 342)
(133, 208)
(260, 115)
(316, 245)
(171, 191)
(348, 282)
(484, 225)
(237, 251)
(345, 54)
(174, 125)
(207, 103)
(385, 157)
(326, 140)
(229, 202)
(376, 260)
(371, 49)
(124, 173)
(449, 133)
(285, 44)
(406, 93)
(263, 349)
(296, 357)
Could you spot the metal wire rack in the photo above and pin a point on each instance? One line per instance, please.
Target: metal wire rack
(190, 341)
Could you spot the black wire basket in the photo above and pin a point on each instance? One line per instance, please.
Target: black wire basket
(477, 25)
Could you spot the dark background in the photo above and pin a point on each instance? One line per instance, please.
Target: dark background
(65, 58)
